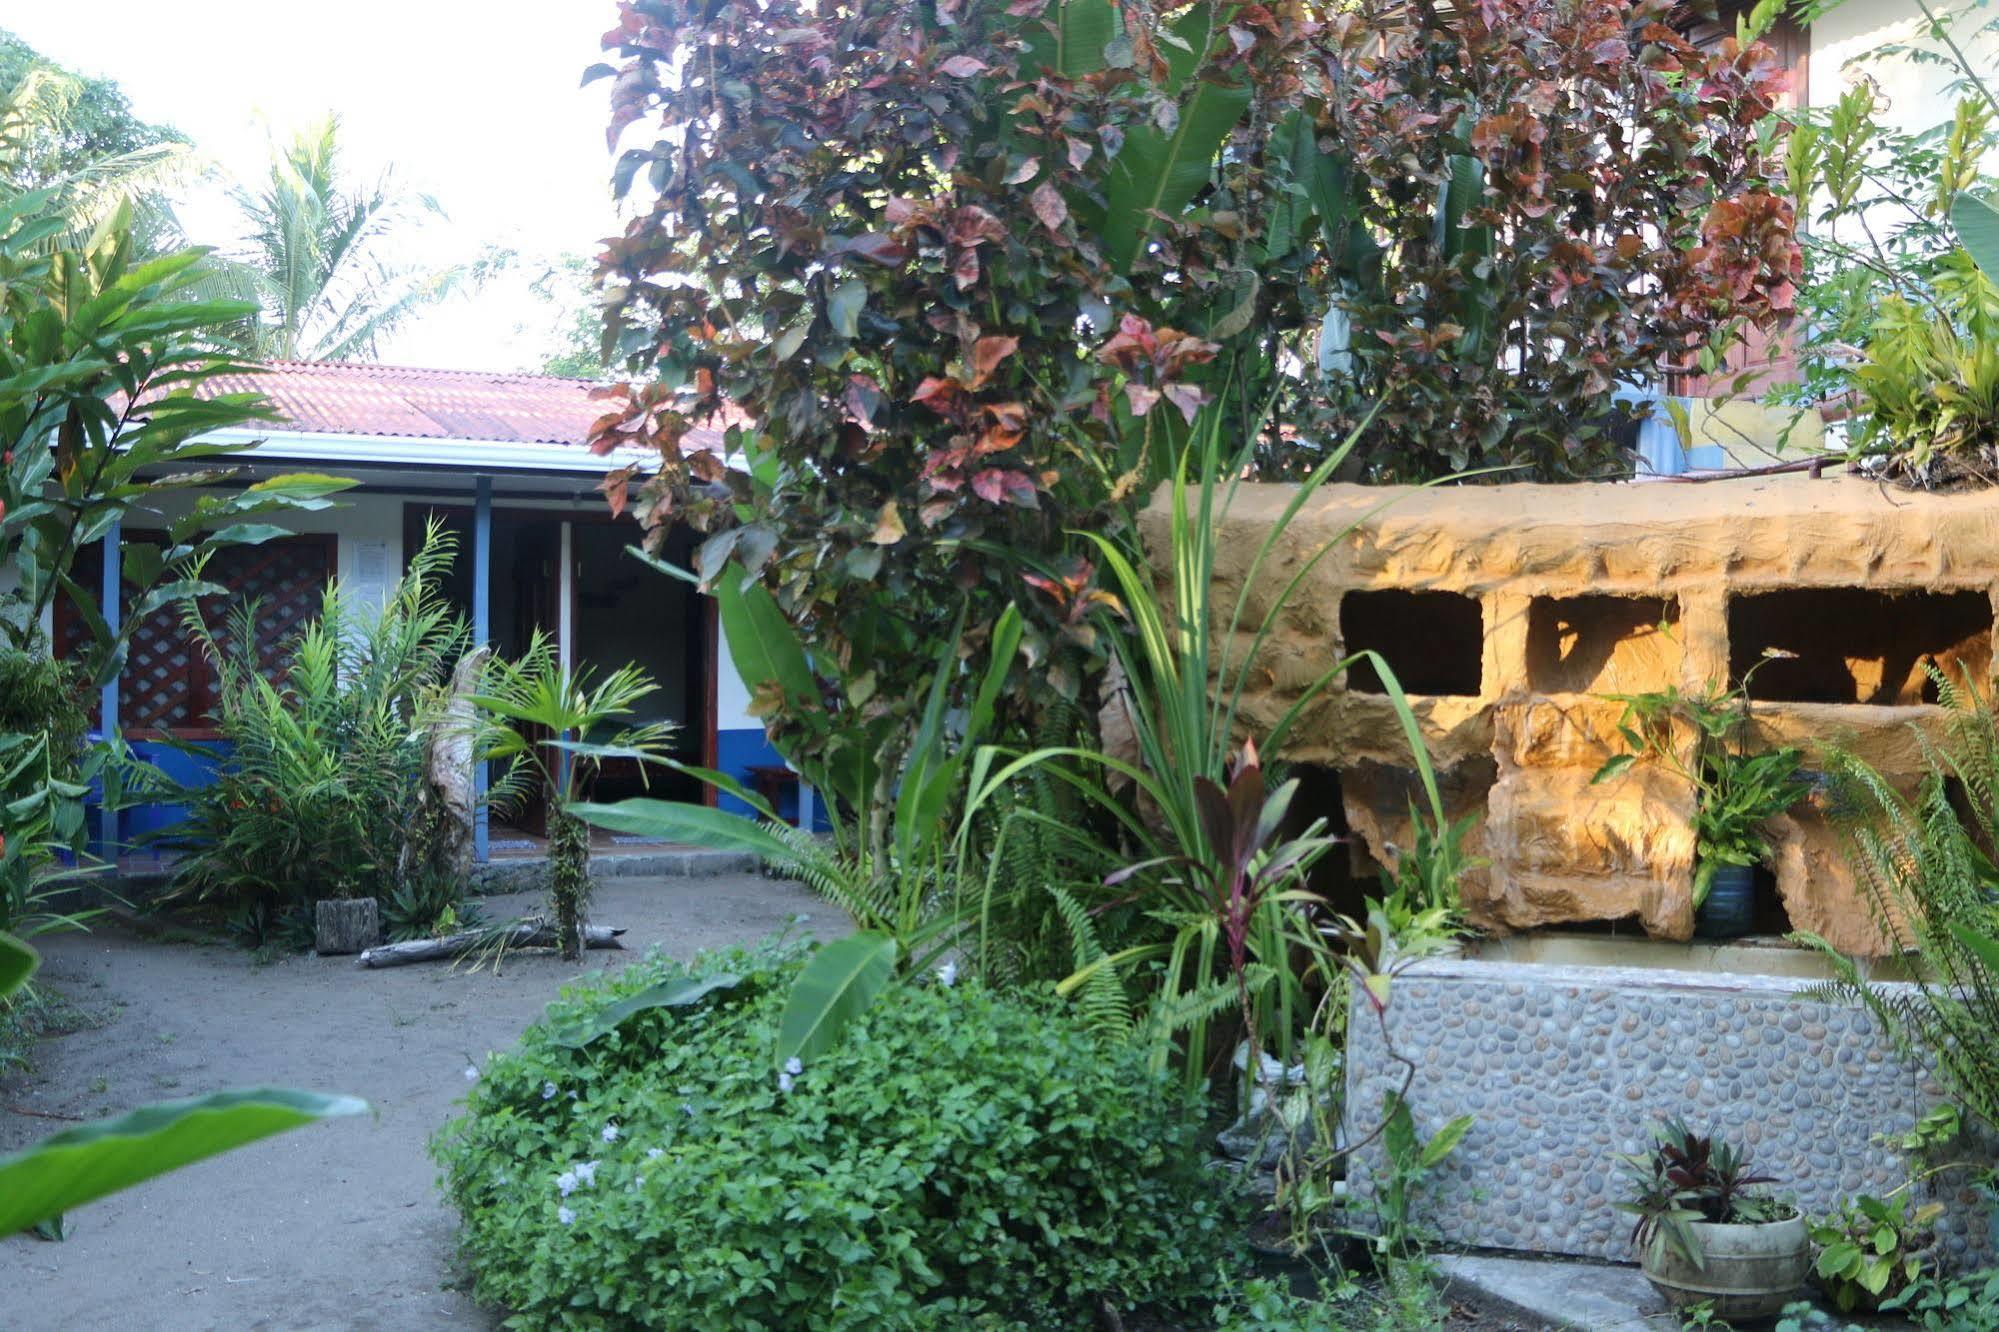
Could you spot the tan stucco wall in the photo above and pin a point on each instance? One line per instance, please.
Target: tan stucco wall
(1898, 579)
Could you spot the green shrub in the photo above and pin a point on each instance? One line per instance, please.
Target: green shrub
(960, 1159)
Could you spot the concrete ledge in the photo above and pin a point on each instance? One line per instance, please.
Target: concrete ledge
(1585, 1297)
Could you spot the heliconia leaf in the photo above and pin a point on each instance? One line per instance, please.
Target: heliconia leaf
(1977, 225)
(1447, 1140)
(763, 645)
(678, 821)
(670, 994)
(83, 1164)
(17, 962)
(1981, 946)
(840, 983)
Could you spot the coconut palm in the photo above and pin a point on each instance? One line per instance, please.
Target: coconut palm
(52, 138)
(321, 258)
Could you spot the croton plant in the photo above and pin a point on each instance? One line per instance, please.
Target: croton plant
(962, 272)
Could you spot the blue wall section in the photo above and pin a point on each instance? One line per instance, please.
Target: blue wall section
(187, 769)
(736, 752)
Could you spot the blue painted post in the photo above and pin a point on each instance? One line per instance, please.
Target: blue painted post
(482, 583)
(111, 604)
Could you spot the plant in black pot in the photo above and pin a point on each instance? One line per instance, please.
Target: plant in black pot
(1705, 1235)
(1705, 739)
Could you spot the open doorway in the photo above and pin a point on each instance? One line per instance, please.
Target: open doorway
(613, 610)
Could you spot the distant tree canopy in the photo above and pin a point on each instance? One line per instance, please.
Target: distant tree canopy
(78, 137)
(100, 123)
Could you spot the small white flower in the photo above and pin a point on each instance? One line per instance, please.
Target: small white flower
(565, 1216)
(566, 1182)
(611, 1131)
(471, 1072)
(654, 1153)
(784, 1082)
(947, 975)
(547, 1091)
(793, 1067)
(586, 1172)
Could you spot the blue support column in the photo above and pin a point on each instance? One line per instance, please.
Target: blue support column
(482, 584)
(111, 603)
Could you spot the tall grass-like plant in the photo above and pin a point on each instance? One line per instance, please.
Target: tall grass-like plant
(558, 726)
(898, 862)
(322, 781)
(1926, 867)
(1222, 899)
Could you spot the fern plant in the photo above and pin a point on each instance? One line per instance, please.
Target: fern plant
(1925, 866)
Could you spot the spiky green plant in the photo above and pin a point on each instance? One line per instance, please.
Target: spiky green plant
(322, 782)
(559, 726)
(1925, 867)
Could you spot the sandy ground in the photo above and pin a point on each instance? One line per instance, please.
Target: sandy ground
(335, 1225)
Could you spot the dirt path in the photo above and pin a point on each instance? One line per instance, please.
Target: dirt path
(335, 1225)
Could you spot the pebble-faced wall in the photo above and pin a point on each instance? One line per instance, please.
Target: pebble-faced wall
(1565, 1068)
(1507, 612)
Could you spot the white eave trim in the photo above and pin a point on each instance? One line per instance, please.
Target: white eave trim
(478, 455)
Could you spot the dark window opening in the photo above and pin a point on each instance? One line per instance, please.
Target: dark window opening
(1857, 645)
(1597, 644)
(1434, 642)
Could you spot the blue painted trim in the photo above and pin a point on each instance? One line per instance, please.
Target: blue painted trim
(111, 604)
(739, 750)
(482, 585)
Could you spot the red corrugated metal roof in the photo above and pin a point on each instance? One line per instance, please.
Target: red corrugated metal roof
(353, 398)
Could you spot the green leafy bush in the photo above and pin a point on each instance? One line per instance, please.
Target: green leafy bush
(958, 1157)
(322, 785)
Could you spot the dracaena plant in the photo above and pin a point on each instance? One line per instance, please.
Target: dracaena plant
(1240, 894)
(1687, 1178)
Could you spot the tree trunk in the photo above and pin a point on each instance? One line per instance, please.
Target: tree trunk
(443, 840)
(568, 875)
(527, 934)
(346, 925)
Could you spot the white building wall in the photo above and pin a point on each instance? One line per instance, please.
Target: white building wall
(1845, 41)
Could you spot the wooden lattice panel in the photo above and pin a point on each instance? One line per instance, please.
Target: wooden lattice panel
(168, 683)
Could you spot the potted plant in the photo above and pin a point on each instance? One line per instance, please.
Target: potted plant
(1736, 792)
(1704, 1237)
(1872, 1249)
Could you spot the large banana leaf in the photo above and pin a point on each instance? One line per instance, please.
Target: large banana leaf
(83, 1164)
(1977, 224)
(1069, 38)
(17, 962)
(840, 983)
(762, 643)
(1159, 171)
(667, 994)
(678, 821)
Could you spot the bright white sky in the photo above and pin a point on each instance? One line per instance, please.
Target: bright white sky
(475, 103)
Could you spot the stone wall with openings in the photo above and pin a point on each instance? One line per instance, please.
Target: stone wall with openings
(1509, 613)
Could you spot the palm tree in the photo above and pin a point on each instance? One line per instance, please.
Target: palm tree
(320, 259)
(57, 135)
(555, 727)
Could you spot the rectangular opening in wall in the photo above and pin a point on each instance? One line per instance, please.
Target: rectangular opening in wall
(1433, 641)
(1602, 644)
(1856, 644)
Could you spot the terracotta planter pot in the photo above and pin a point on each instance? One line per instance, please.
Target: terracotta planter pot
(1752, 1271)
